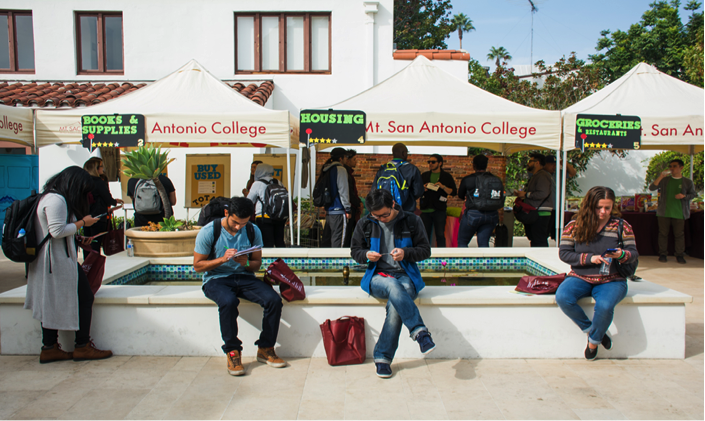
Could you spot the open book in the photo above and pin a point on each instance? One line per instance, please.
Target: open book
(247, 251)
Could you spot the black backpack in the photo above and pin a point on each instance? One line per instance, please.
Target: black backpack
(321, 191)
(215, 209)
(21, 215)
(276, 201)
(488, 194)
(217, 227)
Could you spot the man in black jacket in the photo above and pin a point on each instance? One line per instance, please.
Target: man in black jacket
(438, 185)
(474, 220)
(390, 242)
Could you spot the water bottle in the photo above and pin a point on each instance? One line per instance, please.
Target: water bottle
(22, 233)
(605, 268)
(130, 249)
(477, 193)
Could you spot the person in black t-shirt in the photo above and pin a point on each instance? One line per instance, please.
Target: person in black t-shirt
(99, 203)
(474, 220)
(141, 219)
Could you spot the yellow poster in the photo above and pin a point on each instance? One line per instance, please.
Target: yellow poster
(208, 178)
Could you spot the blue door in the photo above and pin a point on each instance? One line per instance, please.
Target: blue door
(19, 175)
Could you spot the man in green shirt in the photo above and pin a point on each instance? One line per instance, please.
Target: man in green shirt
(676, 192)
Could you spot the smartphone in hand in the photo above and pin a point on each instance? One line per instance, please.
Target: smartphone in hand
(100, 216)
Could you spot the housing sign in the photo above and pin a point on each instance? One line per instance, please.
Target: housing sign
(112, 131)
(332, 126)
(593, 131)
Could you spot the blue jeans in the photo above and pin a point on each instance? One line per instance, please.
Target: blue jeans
(400, 293)
(475, 221)
(606, 296)
(225, 292)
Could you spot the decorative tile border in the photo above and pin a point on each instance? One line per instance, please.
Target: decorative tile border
(472, 264)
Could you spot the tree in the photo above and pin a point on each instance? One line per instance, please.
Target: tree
(659, 39)
(421, 24)
(461, 23)
(147, 163)
(659, 163)
(498, 54)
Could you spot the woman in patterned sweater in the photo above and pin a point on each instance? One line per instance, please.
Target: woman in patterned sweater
(584, 246)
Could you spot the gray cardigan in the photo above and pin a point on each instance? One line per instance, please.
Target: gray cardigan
(687, 188)
(53, 296)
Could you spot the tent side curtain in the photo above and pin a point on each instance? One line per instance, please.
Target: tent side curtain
(273, 129)
(16, 125)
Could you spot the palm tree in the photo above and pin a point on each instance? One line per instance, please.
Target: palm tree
(461, 23)
(498, 54)
(147, 163)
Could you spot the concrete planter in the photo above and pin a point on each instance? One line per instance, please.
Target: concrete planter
(162, 243)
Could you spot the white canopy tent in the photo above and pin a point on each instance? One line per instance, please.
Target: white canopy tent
(423, 105)
(189, 107)
(671, 111)
(16, 125)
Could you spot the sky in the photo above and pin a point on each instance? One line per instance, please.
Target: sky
(560, 26)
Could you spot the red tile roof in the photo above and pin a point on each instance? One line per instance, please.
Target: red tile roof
(432, 54)
(75, 94)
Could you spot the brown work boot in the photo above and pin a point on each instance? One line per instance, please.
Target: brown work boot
(268, 356)
(235, 367)
(90, 352)
(55, 353)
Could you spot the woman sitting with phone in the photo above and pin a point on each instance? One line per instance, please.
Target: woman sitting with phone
(590, 245)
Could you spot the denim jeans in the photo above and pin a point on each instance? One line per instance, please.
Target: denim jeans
(400, 293)
(480, 222)
(606, 296)
(226, 293)
(435, 220)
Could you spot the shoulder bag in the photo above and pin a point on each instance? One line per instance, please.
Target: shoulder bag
(627, 270)
(344, 340)
(290, 286)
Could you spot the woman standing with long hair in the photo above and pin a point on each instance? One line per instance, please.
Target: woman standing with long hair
(584, 246)
(102, 200)
(58, 292)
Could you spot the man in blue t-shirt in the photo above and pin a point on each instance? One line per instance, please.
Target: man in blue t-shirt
(227, 278)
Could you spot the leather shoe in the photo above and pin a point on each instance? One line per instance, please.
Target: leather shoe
(663, 258)
(90, 352)
(680, 259)
(55, 353)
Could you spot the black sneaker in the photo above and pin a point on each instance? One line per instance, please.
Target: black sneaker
(606, 342)
(680, 259)
(662, 258)
(590, 354)
(425, 342)
(384, 370)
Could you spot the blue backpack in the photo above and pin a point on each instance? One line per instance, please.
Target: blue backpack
(392, 179)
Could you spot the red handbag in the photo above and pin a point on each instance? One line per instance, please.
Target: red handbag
(344, 340)
(94, 267)
(114, 240)
(290, 286)
(540, 284)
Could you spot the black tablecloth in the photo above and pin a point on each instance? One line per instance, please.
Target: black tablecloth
(645, 227)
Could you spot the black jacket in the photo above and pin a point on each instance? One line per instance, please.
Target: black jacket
(430, 198)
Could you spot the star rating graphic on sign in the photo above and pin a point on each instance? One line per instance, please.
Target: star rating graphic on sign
(323, 140)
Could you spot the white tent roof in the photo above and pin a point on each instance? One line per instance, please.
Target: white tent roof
(189, 107)
(423, 105)
(16, 125)
(671, 110)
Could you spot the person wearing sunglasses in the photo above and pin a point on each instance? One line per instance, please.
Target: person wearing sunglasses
(673, 209)
(438, 186)
(391, 241)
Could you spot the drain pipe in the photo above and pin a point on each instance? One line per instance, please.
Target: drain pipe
(371, 8)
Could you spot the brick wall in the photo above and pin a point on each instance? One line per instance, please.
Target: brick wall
(458, 166)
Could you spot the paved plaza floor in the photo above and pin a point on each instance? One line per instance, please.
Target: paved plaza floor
(125, 387)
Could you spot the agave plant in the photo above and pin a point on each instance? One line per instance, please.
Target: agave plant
(170, 224)
(147, 163)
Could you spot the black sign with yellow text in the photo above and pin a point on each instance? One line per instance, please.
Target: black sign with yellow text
(112, 131)
(594, 131)
(332, 127)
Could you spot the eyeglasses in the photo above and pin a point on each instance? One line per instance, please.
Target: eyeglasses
(432, 162)
(378, 217)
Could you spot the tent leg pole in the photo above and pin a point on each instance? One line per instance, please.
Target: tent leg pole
(299, 164)
(692, 156)
(561, 207)
(556, 205)
(291, 203)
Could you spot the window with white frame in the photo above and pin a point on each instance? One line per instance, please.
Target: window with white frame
(99, 41)
(282, 43)
(16, 41)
